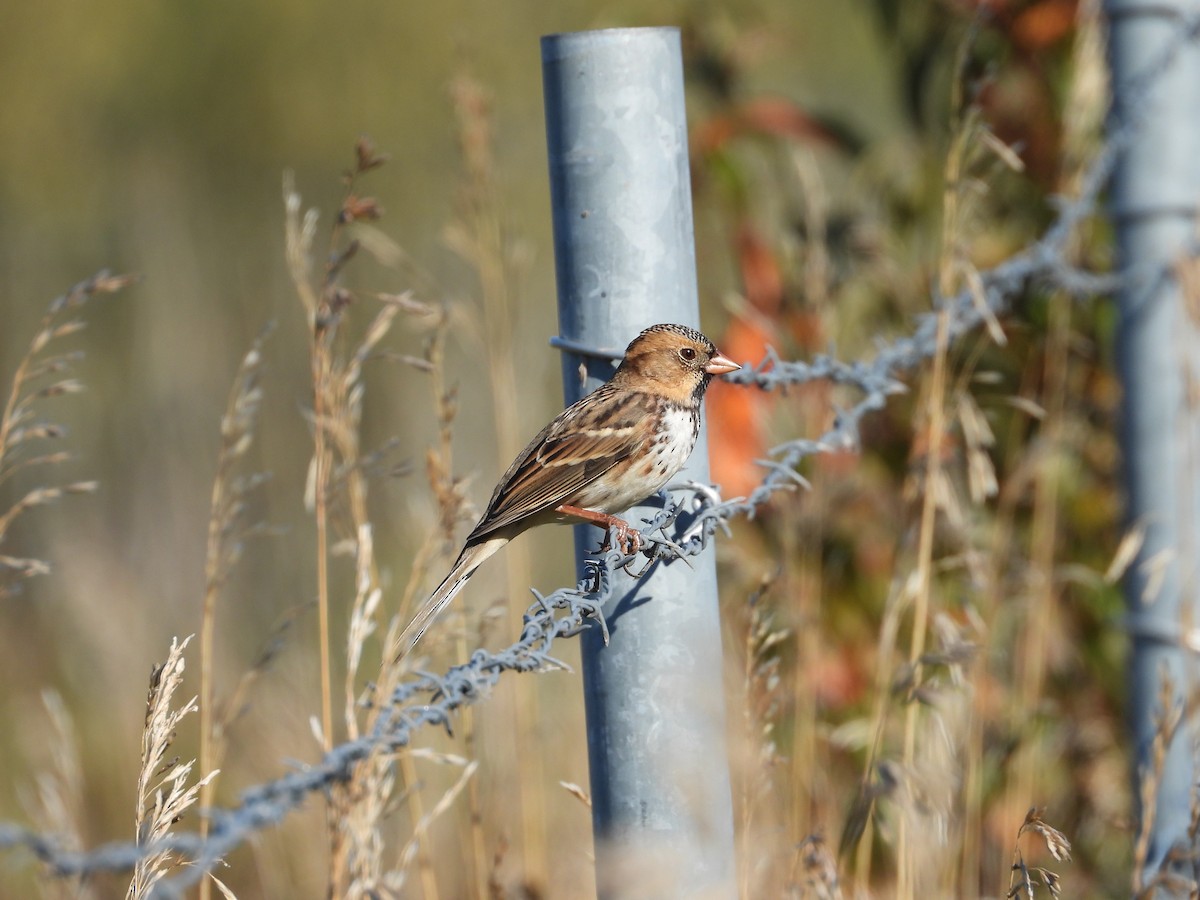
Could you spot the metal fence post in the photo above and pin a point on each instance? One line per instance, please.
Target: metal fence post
(1154, 206)
(625, 259)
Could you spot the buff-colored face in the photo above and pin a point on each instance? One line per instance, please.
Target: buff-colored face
(678, 360)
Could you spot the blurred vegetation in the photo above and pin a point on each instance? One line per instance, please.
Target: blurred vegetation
(849, 159)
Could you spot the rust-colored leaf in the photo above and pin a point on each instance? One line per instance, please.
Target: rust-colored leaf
(1042, 25)
(762, 279)
(737, 415)
(772, 116)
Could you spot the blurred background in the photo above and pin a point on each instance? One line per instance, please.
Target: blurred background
(849, 158)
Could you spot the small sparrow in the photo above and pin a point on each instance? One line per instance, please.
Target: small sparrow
(618, 445)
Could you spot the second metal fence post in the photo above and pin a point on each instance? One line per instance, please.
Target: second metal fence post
(1154, 206)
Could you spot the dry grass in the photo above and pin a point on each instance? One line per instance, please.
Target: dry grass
(228, 531)
(921, 727)
(920, 666)
(26, 438)
(387, 780)
(763, 868)
(337, 494)
(55, 802)
(164, 794)
(1025, 877)
(479, 234)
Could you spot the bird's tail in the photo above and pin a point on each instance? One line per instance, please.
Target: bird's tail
(468, 561)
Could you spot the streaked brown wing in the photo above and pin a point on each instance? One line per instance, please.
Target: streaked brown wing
(584, 442)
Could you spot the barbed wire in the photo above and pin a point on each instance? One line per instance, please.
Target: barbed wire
(694, 518)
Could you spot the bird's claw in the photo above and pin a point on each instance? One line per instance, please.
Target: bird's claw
(628, 539)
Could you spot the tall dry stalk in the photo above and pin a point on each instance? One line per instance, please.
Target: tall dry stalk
(375, 775)
(164, 794)
(227, 533)
(453, 507)
(479, 237)
(44, 372)
(934, 431)
(945, 404)
(765, 696)
(56, 802)
(324, 301)
(802, 536)
(1170, 716)
(922, 588)
(369, 797)
(359, 809)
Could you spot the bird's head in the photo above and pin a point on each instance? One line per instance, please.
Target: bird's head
(673, 360)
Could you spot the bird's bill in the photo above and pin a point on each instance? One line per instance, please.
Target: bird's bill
(721, 365)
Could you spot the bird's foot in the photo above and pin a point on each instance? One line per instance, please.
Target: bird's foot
(629, 541)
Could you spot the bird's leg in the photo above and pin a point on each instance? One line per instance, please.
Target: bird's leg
(629, 539)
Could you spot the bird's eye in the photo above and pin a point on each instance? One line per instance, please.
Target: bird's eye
(688, 354)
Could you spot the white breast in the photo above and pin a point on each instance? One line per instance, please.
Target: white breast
(645, 476)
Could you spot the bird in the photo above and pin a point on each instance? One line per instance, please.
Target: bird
(603, 454)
